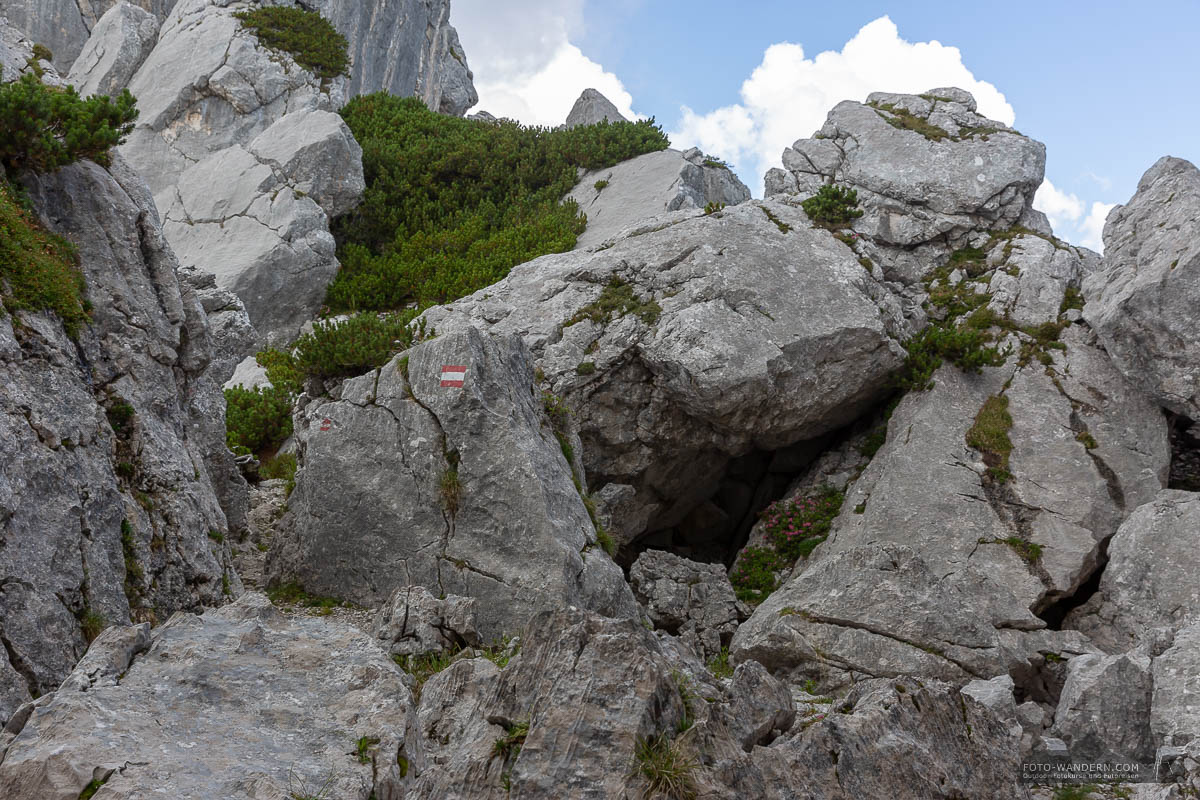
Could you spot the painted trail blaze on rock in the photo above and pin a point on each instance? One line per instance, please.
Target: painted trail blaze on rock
(453, 375)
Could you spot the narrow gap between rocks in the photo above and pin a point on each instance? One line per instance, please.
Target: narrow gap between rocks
(1056, 613)
(1185, 454)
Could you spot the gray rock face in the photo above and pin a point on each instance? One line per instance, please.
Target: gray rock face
(64, 25)
(632, 192)
(404, 48)
(300, 694)
(114, 465)
(462, 490)
(258, 217)
(1139, 303)
(1175, 707)
(119, 43)
(1104, 711)
(592, 108)
(688, 599)
(1148, 587)
(229, 325)
(413, 622)
(926, 529)
(16, 56)
(923, 191)
(721, 363)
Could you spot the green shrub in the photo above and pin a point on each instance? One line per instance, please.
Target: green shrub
(600, 186)
(38, 270)
(46, 128)
(257, 420)
(967, 348)
(664, 769)
(832, 205)
(305, 35)
(43, 53)
(1072, 298)
(793, 529)
(712, 208)
(452, 204)
(351, 347)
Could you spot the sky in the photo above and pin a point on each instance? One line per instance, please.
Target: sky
(1109, 87)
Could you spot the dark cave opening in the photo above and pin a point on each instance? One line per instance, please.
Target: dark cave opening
(1185, 454)
(1056, 612)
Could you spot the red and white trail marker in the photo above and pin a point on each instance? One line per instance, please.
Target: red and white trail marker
(453, 375)
(326, 424)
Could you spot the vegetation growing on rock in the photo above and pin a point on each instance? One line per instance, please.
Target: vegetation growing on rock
(453, 204)
(833, 205)
(305, 35)
(48, 127)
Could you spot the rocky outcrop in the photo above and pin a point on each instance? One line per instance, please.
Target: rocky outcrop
(634, 191)
(929, 172)
(119, 43)
(593, 108)
(414, 622)
(1146, 591)
(243, 152)
(406, 48)
(319, 710)
(691, 600)
(408, 478)
(677, 349)
(64, 25)
(114, 462)
(1104, 711)
(1140, 302)
(1175, 706)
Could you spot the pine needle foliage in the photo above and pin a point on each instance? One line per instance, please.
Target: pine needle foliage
(48, 127)
(304, 35)
(452, 204)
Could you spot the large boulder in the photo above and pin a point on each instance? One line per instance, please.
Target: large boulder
(1104, 711)
(630, 193)
(239, 703)
(1148, 588)
(1142, 303)
(411, 475)
(119, 43)
(687, 599)
(947, 562)
(695, 339)
(593, 108)
(928, 169)
(1175, 708)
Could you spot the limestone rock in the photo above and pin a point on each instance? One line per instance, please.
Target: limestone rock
(64, 25)
(116, 488)
(119, 43)
(257, 217)
(1104, 711)
(1175, 708)
(1139, 303)
(1148, 586)
(229, 325)
(707, 357)
(16, 55)
(592, 108)
(462, 490)
(929, 171)
(406, 48)
(239, 703)
(413, 622)
(630, 193)
(687, 599)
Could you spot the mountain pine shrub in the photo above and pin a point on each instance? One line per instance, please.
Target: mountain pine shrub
(306, 36)
(47, 127)
(452, 204)
(833, 206)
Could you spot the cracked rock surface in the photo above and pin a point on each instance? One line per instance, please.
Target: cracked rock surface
(723, 362)
(462, 490)
(241, 702)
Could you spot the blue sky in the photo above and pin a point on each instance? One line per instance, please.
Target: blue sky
(1108, 90)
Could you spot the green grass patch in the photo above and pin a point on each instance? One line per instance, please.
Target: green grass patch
(967, 348)
(304, 35)
(617, 299)
(783, 226)
(719, 665)
(1072, 298)
(452, 204)
(989, 435)
(293, 594)
(38, 270)
(665, 770)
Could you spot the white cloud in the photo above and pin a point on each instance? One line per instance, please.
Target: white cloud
(1059, 206)
(1091, 229)
(524, 64)
(788, 95)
